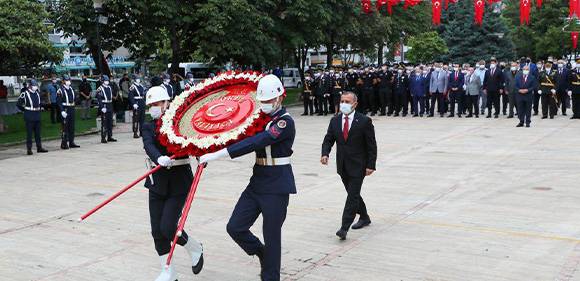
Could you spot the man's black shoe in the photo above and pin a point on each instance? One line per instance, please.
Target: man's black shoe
(520, 125)
(196, 269)
(361, 223)
(303, 114)
(63, 146)
(103, 141)
(74, 145)
(510, 116)
(29, 152)
(111, 140)
(341, 233)
(527, 125)
(41, 150)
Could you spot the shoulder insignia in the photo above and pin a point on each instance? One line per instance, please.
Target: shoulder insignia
(281, 124)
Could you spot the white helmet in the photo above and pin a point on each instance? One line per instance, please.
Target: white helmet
(155, 94)
(269, 87)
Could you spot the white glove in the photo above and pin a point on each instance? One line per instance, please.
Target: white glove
(553, 91)
(214, 156)
(135, 106)
(569, 93)
(464, 87)
(165, 161)
(104, 110)
(539, 92)
(63, 114)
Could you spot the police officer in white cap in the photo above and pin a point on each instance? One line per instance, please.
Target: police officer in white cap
(270, 185)
(168, 190)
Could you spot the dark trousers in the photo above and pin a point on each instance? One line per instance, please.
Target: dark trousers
(308, 104)
(139, 117)
(473, 104)
(354, 202)
(512, 103)
(524, 103)
(273, 208)
(576, 105)
(32, 127)
(549, 105)
(164, 211)
(564, 100)
(384, 99)
(437, 97)
(504, 102)
(69, 125)
(419, 104)
(536, 102)
(54, 113)
(109, 123)
(401, 102)
(456, 98)
(318, 104)
(427, 102)
(368, 99)
(493, 100)
(324, 103)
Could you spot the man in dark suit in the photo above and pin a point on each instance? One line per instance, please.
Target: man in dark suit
(356, 157)
(525, 85)
(563, 85)
(493, 87)
(456, 82)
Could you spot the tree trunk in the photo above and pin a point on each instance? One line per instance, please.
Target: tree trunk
(330, 51)
(380, 53)
(94, 50)
(175, 51)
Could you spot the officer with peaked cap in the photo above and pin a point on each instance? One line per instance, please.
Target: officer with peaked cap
(65, 99)
(105, 98)
(29, 102)
(137, 102)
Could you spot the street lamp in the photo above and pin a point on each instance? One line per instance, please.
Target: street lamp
(98, 6)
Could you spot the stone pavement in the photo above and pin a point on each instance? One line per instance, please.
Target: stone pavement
(461, 199)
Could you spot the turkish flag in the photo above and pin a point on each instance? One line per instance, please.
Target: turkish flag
(539, 4)
(366, 5)
(574, 7)
(390, 4)
(411, 3)
(436, 10)
(524, 12)
(574, 35)
(479, 6)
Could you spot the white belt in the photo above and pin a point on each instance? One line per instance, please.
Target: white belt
(273, 161)
(68, 104)
(32, 108)
(138, 98)
(106, 101)
(176, 162)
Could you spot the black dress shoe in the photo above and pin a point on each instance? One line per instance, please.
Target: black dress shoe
(510, 116)
(469, 116)
(41, 150)
(111, 140)
(303, 114)
(489, 116)
(564, 114)
(519, 125)
(103, 141)
(341, 233)
(476, 116)
(64, 146)
(495, 116)
(29, 152)
(415, 115)
(199, 266)
(361, 223)
(260, 255)
(527, 125)
(450, 116)
(135, 136)
(544, 117)
(74, 145)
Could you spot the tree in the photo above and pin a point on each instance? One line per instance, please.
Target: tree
(24, 44)
(425, 47)
(544, 36)
(469, 42)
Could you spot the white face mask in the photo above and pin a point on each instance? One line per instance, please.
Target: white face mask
(269, 108)
(34, 88)
(492, 65)
(560, 65)
(513, 68)
(138, 81)
(437, 68)
(155, 112)
(400, 71)
(526, 72)
(54, 81)
(548, 69)
(456, 68)
(106, 83)
(345, 108)
(481, 66)
(166, 81)
(190, 79)
(67, 83)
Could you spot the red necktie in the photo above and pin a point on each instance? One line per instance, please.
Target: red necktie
(345, 128)
(456, 74)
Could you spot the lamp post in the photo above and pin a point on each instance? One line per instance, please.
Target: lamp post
(98, 6)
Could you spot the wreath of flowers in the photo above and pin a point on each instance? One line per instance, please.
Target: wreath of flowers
(180, 145)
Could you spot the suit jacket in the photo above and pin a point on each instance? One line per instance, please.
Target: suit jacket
(510, 81)
(472, 85)
(438, 82)
(562, 80)
(173, 181)
(358, 152)
(456, 83)
(493, 82)
(417, 85)
(529, 84)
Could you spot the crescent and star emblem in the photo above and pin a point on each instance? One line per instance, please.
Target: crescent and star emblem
(210, 110)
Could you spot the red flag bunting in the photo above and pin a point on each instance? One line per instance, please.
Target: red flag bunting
(574, 35)
(539, 4)
(366, 5)
(524, 12)
(390, 4)
(574, 7)
(380, 4)
(479, 7)
(492, 1)
(436, 11)
(411, 3)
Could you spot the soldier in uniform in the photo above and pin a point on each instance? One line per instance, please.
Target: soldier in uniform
(105, 98)
(167, 86)
(308, 95)
(137, 102)
(575, 89)
(168, 189)
(400, 89)
(189, 82)
(337, 88)
(367, 91)
(65, 99)
(385, 83)
(326, 91)
(547, 91)
(359, 91)
(29, 102)
(271, 183)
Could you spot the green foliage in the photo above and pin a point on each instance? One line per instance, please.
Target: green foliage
(24, 44)
(544, 36)
(425, 47)
(469, 42)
